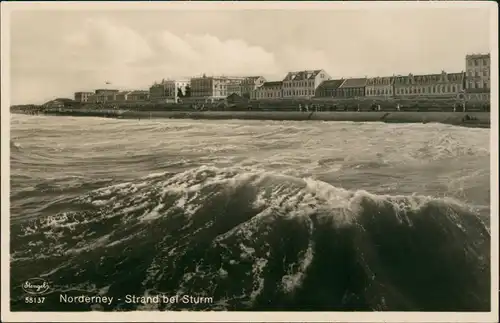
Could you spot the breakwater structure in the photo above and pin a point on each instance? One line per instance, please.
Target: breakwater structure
(469, 119)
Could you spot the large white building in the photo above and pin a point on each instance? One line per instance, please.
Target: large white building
(478, 71)
(210, 88)
(269, 90)
(167, 91)
(303, 84)
(250, 84)
(380, 87)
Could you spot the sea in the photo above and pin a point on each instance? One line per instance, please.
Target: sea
(249, 215)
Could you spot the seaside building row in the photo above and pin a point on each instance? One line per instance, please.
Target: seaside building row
(473, 83)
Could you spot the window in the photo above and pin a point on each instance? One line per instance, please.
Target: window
(476, 62)
(485, 85)
(478, 85)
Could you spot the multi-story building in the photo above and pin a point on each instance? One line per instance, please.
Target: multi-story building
(83, 97)
(478, 71)
(352, 88)
(167, 90)
(103, 96)
(443, 85)
(380, 87)
(303, 84)
(212, 87)
(234, 87)
(250, 84)
(138, 95)
(477, 85)
(269, 90)
(122, 96)
(328, 89)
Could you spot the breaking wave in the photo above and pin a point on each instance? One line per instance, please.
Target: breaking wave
(256, 240)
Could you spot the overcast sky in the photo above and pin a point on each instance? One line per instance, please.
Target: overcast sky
(55, 53)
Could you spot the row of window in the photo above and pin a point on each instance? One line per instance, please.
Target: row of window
(477, 61)
(477, 73)
(378, 91)
(297, 92)
(399, 91)
(262, 95)
(430, 89)
(298, 84)
(478, 85)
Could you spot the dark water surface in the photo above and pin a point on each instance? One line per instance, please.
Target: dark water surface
(256, 215)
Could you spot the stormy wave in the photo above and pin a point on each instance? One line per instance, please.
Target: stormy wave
(255, 240)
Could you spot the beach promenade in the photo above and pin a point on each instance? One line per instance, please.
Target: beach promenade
(471, 119)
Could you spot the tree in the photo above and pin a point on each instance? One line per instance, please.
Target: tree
(179, 93)
(188, 91)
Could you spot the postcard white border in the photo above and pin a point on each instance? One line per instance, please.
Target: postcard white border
(7, 316)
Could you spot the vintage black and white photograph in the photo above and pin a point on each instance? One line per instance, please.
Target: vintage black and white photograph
(225, 157)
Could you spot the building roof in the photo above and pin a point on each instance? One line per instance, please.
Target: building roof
(59, 100)
(84, 92)
(354, 82)
(487, 55)
(302, 75)
(252, 80)
(138, 92)
(429, 78)
(330, 84)
(108, 90)
(384, 80)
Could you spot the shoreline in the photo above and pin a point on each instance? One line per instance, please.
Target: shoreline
(465, 119)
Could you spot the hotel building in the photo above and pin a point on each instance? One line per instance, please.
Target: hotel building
(478, 68)
(250, 84)
(167, 91)
(478, 71)
(269, 90)
(380, 87)
(328, 89)
(352, 88)
(443, 84)
(234, 87)
(303, 84)
(213, 87)
(83, 97)
(103, 96)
